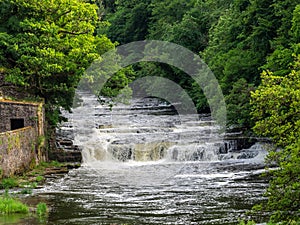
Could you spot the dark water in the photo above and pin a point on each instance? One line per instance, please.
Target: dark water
(200, 193)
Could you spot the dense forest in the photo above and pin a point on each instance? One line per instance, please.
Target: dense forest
(237, 39)
(252, 47)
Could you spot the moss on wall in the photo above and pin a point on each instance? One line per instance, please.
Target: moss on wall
(19, 147)
(17, 150)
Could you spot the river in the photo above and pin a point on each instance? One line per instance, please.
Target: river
(144, 164)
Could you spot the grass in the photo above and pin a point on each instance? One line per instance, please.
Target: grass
(26, 191)
(39, 178)
(30, 179)
(49, 164)
(10, 205)
(7, 183)
(42, 209)
(251, 222)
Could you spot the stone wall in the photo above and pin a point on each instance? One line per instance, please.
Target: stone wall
(30, 113)
(18, 151)
(21, 136)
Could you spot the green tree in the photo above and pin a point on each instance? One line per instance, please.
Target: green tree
(276, 105)
(187, 24)
(243, 38)
(164, 14)
(281, 60)
(191, 28)
(128, 20)
(239, 104)
(117, 82)
(46, 47)
(183, 22)
(279, 115)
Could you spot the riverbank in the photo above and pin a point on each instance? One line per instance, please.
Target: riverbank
(16, 207)
(37, 175)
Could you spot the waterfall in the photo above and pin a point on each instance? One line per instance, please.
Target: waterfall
(146, 130)
(150, 130)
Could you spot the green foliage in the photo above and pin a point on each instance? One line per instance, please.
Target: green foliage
(276, 105)
(53, 163)
(279, 61)
(39, 178)
(9, 205)
(117, 82)
(7, 183)
(42, 209)
(284, 190)
(185, 23)
(235, 38)
(26, 191)
(47, 45)
(251, 222)
(238, 106)
(241, 41)
(128, 19)
(295, 24)
(165, 14)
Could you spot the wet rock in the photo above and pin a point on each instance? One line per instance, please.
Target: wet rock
(62, 155)
(56, 170)
(247, 155)
(236, 142)
(225, 156)
(223, 149)
(175, 154)
(65, 142)
(198, 155)
(121, 152)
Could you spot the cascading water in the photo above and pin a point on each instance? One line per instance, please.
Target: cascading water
(144, 164)
(138, 133)
(149, 130)
(145, 132)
